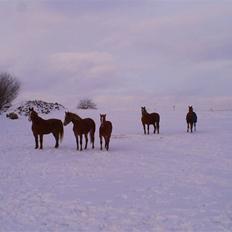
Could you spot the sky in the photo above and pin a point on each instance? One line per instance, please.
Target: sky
(120, 53)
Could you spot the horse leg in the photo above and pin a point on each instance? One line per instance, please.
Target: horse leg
(77, 142)
(36, 141)
(187, 127)
(105, 137)
(195, 127)
(191, 127)
(86, 140)
(108, 143)
(148, 128)
(92, 138)
(101, 142)
(154, 128)
(57, 139)
(41, 141)
(157, 127)
(144, 128)
(81, 138)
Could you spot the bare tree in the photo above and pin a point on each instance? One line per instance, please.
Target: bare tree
(86, 104)
(9, 89)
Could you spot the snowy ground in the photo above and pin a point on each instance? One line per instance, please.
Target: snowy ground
(169, 182)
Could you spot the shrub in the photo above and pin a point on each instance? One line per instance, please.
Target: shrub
(9, 89)
(86, 104)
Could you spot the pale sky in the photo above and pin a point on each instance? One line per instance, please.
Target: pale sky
(120, 53)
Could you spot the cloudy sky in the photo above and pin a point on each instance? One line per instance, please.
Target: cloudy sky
(120, 52)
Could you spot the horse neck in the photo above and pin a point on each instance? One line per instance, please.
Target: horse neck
(37, 119)
(145, 114)
(75, 118)
(103, 123)
(103, 120)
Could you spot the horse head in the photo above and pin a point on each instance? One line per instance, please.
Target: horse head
(190, 108)
(32, 114)
(67, 118)
(143, 110)
(102, 118)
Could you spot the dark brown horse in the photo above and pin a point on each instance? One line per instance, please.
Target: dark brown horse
(81, 127)
(41, 126)
(105, 131)
(191, 119)
(150, 119)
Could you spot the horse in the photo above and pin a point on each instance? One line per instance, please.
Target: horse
(191, 119)
(105, 131)
(148, 119)
(81, 127)
(41, 126)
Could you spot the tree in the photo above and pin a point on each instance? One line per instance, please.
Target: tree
(86, 104)
(9, 89)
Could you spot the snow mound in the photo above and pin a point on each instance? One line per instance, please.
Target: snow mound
(39, 106)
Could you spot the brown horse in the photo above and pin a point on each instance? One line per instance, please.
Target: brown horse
(191, 119)
(41, 126)
(105, 131)
(148, 119)
(81, 127)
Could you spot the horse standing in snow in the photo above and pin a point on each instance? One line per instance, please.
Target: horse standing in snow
(41, 126)
(81, 127)
(105, 131)
(150, 119)
(191, 119)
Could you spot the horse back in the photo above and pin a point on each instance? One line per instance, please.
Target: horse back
(150, 118)
(47, 126)
(84, 125)
(155, 116)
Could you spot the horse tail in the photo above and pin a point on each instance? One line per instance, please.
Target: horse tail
(92, 132)
(194, 117)
(61, 132)
(158, 118)
(158, 123)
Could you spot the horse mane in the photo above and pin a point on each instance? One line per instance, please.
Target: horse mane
(75, 116)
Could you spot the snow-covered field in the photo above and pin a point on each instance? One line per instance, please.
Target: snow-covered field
(173, 181)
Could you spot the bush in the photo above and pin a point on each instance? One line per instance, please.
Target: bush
(86, 104)
(9, 89)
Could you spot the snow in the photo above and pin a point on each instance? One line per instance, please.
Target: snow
(174, 181)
